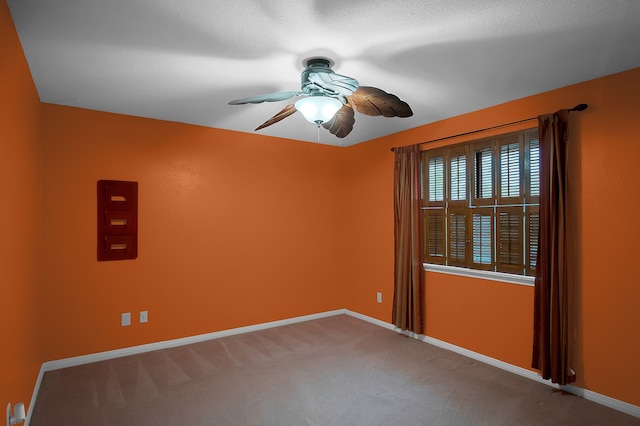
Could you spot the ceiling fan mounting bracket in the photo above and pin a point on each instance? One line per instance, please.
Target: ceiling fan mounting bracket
(318, 60)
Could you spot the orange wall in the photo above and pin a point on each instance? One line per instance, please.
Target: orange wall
(494, 318)
(19, 106)
(234, 229)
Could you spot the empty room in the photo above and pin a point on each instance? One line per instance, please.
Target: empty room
(320, 212)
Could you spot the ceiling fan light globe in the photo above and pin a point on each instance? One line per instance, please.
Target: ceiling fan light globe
(318, 109)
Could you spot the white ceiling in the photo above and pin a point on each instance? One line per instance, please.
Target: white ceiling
(183, 60)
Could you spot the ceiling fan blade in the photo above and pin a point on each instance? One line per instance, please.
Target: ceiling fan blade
(270, 97)
(373, 101)
(284, 113)
(342, 123)
(334, 82)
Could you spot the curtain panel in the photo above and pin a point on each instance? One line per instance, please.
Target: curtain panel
(409, 288)
(551, 351)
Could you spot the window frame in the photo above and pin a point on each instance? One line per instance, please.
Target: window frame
(512, 233)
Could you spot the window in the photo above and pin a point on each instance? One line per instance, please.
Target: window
(480, 203)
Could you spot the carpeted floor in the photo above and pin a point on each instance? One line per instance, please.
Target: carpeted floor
(332, 371)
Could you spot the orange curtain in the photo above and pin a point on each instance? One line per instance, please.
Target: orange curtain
(551, 351)
(408, 298)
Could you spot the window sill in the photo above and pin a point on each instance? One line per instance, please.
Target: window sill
(486, 275)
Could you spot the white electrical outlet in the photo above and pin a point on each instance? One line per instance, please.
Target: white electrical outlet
(125, 319)
(19, 414)
(144, 316)
(379, 297)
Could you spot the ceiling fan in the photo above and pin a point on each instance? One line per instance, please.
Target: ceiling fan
(329, 99)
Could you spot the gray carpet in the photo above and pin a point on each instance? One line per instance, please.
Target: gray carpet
(332, 371)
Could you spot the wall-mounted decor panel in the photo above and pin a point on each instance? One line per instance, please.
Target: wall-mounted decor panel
(117, 220)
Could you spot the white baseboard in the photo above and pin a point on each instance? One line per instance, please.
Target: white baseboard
(615, 404)
(625, 407)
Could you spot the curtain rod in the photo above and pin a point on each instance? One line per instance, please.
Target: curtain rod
(579, 107)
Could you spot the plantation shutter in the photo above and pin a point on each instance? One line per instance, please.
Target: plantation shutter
(482, 241)
(457, 237)
(458, 177)
(510, 244)
(483, 173)
(433, 186)
(435, 235)
(509, 170)
(458, 204)
(435, 177)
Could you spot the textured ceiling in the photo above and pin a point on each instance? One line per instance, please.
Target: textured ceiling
(183, 60)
